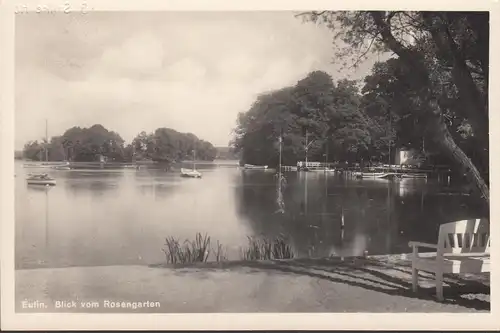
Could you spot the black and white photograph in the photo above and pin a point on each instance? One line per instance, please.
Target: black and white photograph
(266, 161)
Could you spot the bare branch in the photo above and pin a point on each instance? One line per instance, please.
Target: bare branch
(360, 57)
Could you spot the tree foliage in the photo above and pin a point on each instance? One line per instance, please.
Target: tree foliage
(168, 145)
(444, 64)
(315, 109)
(88, 144)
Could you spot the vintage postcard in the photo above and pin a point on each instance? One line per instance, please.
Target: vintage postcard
(269, 165)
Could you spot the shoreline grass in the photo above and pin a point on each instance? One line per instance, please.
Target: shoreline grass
(199, 250)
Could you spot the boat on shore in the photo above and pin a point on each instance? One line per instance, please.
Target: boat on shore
(40, 179)
(254, 167)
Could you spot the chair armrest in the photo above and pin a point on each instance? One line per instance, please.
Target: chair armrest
(420, 244)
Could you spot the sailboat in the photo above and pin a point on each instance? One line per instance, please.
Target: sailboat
(46, 164)
(191, 173)
(42, 179)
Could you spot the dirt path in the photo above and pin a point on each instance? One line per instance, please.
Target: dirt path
(291, 286)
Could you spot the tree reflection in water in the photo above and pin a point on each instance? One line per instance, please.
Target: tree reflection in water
(380, 216)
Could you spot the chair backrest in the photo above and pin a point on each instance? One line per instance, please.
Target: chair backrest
(466, 236)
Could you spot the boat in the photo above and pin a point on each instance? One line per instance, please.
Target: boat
(255, 167)
(51, 165)
(191, 173)
(372, 175)
(41, 179)
(61, 167)
(414, 175)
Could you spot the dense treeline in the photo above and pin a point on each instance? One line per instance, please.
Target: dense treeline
(166, 144)
(227, 153)
(443, 73)
(328, 114)
(431, 96)
(89, 144)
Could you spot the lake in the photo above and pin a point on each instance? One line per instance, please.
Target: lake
(122, 216)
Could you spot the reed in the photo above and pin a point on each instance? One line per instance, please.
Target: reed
(264, 249)
(193, 251)
(220, 253)
(199, 250)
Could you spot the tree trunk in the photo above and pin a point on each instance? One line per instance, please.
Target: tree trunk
(475, 105)
(436, 126)
(462, 159)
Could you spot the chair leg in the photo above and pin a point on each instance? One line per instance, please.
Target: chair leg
(414, 279)
(439, 286)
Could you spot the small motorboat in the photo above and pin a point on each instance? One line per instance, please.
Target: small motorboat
(41, 179)
(190, 173)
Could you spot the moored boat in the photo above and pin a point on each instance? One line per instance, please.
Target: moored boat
(372, 175)
(255, 167)
(61, 167)
(40, 179)
(190, 173)
(414, 175)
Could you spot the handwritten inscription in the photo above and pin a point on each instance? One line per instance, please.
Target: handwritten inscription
(65, 7)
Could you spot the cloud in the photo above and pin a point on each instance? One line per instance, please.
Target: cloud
(140, 55)
(139, 71)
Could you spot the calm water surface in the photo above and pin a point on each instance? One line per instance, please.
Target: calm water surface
(117, 217)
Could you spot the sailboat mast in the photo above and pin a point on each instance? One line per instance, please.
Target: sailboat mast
(326, 155)
(281, 139)
(46, 141)
(390, 137)
(194, 159)
(306, 148)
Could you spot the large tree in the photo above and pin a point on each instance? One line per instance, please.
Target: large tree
(168, 145)
(85, 144)
(447, 54)
(314, 116)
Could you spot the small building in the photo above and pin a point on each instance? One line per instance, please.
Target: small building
(406, 156)
(101, 158)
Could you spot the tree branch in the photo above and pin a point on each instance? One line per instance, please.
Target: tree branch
(361, 56)
(474, 104)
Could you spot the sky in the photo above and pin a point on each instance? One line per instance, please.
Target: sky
(138, 71)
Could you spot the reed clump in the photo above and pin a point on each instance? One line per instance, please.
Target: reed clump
(265, 249)
(199, 250)
(193, 251)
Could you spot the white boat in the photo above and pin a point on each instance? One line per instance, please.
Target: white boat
(61, 167)
(45, 165)
(371, 175)
(190, 173)
(414, 175)
(40, 179)
(255, 167)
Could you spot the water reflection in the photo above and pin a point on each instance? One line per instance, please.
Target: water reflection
(112, 217)
(379, 216)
